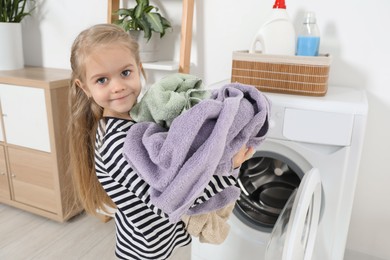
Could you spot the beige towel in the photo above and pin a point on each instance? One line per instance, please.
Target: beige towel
(211, 227)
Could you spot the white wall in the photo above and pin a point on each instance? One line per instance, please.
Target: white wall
(355, 33)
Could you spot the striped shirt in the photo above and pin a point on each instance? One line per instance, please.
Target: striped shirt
(142, 230)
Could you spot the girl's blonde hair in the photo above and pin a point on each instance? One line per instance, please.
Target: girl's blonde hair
(85, 114)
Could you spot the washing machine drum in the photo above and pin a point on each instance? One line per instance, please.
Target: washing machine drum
(266, 185)
(275, 197)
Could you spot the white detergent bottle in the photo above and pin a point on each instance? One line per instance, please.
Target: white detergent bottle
(277, 35)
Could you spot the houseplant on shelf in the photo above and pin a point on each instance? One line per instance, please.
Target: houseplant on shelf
(12, 13)
(143, 22)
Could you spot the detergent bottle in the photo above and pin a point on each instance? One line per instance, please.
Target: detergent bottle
(277, 35)
(308, 42)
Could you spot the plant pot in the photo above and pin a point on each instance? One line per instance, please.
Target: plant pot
(11, 50)
(148, 49)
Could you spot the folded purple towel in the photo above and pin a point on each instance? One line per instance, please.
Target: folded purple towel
(178, 163)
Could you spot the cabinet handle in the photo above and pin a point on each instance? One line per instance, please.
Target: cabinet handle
(2, 173)
(5, 115)
(13, 176)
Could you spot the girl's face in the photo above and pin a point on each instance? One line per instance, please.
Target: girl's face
(112, 79)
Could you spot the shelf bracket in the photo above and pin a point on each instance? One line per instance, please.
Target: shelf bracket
(113, 5)
(186, 36)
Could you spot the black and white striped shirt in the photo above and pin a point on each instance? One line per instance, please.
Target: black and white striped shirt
(142, 230)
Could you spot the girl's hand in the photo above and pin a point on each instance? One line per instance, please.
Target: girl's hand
(242, 155)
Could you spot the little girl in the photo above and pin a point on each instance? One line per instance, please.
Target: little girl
(105, 84)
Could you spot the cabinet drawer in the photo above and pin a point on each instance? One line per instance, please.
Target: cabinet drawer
(4, 188)
(32, 177)
(25, 117)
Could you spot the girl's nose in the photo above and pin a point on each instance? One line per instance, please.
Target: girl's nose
(118, 87)
(117, 90)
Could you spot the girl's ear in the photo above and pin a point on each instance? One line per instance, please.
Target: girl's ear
(79, 84)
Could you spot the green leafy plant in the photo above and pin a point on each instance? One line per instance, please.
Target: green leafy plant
(142, 18)
(13, 11)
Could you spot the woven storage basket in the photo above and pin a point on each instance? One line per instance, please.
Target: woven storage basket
(300, 75)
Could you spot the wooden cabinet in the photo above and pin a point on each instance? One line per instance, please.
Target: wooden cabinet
(34, 166)
(4, 186)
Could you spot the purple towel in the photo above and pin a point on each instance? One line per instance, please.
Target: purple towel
(178, 163)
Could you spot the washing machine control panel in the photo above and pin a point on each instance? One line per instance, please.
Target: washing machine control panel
(310, 126)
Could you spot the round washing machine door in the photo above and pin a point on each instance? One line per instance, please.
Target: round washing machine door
(267, 181)
(295, 230)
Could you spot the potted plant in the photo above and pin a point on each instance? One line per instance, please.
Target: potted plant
(143, 17)
(12, 13)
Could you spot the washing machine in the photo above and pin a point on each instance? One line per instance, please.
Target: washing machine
(297, 190)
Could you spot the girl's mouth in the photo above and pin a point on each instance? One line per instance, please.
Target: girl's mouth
(120, 98)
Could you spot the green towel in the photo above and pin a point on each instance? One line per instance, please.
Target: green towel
(168, 98)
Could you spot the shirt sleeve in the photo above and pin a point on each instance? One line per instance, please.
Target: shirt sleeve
(116, 175)
(216, 185)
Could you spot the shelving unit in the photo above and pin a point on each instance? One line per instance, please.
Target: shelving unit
(183, 65)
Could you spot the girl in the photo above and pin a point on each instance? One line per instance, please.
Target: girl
(105, 84)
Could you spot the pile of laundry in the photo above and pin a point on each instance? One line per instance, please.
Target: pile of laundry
(184, 142)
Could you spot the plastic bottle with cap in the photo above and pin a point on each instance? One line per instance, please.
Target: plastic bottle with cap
(277, 34)
(308, 42)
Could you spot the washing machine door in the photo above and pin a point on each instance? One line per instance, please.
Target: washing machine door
(294, 234)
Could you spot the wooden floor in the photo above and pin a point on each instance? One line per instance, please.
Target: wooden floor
(27, 236)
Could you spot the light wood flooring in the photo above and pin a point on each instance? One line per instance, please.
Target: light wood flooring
(27, 236)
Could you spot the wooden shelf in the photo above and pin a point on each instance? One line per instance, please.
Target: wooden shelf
(186, 37)
(162, 65)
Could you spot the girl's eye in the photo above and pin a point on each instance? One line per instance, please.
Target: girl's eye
(126, 73)
(101, 80)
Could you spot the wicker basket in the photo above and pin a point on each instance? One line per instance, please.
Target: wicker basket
(300, 75)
